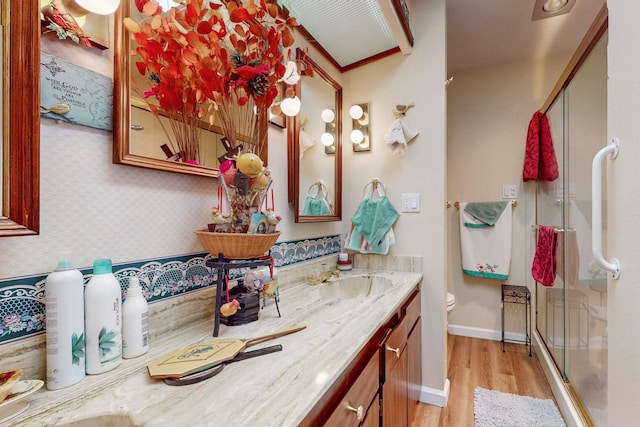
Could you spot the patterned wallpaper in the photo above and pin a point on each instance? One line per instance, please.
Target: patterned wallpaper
(22, 309)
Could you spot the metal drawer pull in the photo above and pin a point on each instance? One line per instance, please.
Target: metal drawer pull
(395, 350)
(359, 411)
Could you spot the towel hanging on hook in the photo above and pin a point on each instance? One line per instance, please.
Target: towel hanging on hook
(371, 228)
(400, 134)
(318, 201)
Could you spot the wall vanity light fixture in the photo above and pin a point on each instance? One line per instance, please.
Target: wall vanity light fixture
(360, 127)
(328, 137)
(290, 105)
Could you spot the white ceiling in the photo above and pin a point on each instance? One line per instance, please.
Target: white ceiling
(483, 32)
(479, 32)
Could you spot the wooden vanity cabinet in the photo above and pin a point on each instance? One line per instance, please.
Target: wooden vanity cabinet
(357, 388)
(401, 376)
(381, 386)
(360, 405)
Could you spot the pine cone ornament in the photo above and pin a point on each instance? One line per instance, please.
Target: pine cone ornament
(259, 84)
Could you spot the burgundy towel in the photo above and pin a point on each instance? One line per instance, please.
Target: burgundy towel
(543, 269)
(540, 157)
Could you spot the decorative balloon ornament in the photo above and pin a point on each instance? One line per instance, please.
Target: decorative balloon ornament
(232, 306)
(400, 134)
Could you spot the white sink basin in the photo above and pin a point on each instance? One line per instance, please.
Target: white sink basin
(360, 286)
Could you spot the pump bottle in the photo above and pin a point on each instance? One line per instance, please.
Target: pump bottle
(135, 322)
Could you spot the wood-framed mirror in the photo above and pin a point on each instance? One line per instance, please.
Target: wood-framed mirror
(20, 148)
(141, 138)
(314, 138)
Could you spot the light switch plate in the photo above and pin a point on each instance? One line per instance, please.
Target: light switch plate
(410, 202)
(509, 192)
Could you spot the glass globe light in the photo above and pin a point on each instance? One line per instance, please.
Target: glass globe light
(326, 139)
(290, 106)
(356, 136)
(291, 75)
(328, 115)
(355, 112)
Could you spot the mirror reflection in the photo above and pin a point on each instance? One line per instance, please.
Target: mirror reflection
(315, 146)
(144, 135)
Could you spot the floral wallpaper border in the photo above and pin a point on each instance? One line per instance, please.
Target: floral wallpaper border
(22, 309)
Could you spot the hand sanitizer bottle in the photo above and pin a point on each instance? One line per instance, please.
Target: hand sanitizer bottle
(103, 321)
(64, 310)
(135, 322)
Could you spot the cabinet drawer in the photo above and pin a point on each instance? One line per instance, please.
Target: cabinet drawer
(360, 394)
(395, 344)
(397, 340)
(412, 311)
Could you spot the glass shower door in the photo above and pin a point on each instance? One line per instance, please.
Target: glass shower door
(550, 212)
(572, 314)
(586, 282)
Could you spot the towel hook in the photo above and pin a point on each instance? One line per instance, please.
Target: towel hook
(375, 182)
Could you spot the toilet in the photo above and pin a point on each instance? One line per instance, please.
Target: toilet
(451, 302)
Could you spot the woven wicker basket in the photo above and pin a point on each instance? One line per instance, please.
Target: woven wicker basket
(237, 245)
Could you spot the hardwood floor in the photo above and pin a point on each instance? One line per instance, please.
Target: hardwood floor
(475, 363)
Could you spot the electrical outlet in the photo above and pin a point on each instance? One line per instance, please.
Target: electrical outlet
(509, 192)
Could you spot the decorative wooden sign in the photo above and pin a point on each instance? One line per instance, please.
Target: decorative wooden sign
(74, 94)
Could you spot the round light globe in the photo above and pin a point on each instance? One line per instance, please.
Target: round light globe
(290, 106)
(355, 112)
(291, 75)
(83, 7)
(328, 115)
(356, 136)
(326, 139)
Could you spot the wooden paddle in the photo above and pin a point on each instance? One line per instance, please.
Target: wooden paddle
(207, 373)
(200, 356)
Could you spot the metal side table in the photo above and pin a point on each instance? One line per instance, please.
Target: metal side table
(513, 294)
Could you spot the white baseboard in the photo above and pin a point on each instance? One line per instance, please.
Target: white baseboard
(486, 334)
(434, 396)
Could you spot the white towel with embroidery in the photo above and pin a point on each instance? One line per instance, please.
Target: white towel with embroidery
(486, 250)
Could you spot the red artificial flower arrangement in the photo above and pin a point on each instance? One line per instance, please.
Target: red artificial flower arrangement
(218, 61)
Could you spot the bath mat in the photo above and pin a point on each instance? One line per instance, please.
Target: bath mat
(496, 409)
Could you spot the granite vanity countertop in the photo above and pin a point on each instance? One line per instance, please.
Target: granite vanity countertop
(277, 389)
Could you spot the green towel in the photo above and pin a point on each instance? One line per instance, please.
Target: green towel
(487, 212)
(313, 206)
(373, 219)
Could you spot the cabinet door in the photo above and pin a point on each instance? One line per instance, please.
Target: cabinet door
(414, 366)
(394, 392)
(373, 414)
(353, 408)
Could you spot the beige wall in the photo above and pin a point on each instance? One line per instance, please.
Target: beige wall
(95, 208)
(488, 112)
(400, 79)
(622, 210)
